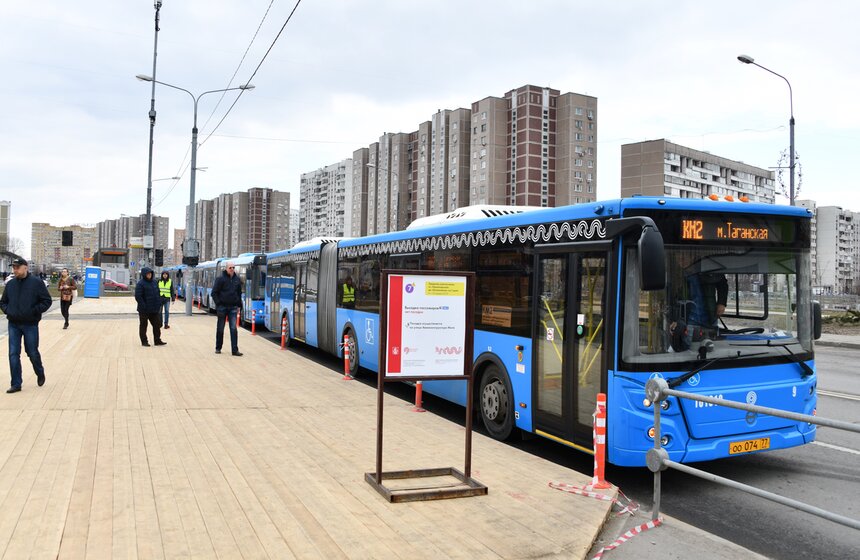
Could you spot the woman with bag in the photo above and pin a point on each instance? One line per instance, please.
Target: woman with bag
(68, 289)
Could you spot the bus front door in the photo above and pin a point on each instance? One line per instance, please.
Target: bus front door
(300, 294)
(569, 343)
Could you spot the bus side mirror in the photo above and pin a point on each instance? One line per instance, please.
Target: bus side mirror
(816, 320)
(652, 259)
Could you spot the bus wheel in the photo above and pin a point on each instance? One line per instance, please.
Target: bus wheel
(353, 352)
(496, 401)
(285, 320)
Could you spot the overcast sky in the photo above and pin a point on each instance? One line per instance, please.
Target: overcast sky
(75, 132)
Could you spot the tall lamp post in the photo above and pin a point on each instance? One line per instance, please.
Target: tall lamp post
(191, 248)
(148, 228)
(746, 59)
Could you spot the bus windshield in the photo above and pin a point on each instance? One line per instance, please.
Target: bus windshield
(749, 302)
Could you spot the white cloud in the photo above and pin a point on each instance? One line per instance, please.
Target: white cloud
(346, 71)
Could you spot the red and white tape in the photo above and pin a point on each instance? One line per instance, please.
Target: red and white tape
(628, 535)
(630, 507)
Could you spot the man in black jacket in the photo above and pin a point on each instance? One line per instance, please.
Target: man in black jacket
(24, 300)
(148, 306)
(227, 295)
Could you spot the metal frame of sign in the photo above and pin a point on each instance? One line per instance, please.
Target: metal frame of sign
(469, 486)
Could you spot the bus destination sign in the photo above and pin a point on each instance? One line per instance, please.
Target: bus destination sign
(729, 229)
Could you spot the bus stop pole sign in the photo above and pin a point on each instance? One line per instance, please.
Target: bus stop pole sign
(426, 327)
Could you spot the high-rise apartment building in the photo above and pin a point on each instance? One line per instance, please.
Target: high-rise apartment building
(5, 224)
(662, 168)
(323, 195)
(836, 249)
(120, 231)
(811, 206)
(178, 240)
(48, 252)
(357, 202)
(252, 221)
(576, 149)
(533, 147)
(294, 228)
(835, 240)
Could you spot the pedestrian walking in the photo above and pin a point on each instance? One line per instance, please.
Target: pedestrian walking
(68, 289)
(227, 295)
(23, 301)
(168, 295)
(148, 306)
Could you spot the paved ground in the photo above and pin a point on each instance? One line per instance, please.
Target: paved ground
(176, 452)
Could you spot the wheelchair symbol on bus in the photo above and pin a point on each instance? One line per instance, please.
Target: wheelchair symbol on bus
(368, 331)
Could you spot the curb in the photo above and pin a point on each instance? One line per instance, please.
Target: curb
(838, 344)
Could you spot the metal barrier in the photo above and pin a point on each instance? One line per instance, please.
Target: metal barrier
(658, 460)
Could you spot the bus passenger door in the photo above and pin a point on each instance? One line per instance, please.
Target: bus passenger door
(569, 343)
(299, 301)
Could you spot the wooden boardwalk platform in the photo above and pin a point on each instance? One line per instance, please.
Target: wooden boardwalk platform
(175, 452)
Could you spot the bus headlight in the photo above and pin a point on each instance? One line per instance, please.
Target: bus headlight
(664, 441)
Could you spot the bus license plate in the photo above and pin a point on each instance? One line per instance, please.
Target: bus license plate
(749, 445)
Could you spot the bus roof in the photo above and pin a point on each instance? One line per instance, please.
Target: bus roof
(246, 258)
(707, 205)
(585, 211)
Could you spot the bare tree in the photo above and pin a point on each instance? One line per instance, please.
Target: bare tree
(15, 245)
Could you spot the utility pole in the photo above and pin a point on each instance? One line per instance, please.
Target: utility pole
(147, 235)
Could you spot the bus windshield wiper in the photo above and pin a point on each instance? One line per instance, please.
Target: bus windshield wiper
(807, 371)
(706, 347)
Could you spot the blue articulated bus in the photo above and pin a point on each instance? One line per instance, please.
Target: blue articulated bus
(293, 291)
(202, 279)
(251, 270)
(177, 273)
(591, 298)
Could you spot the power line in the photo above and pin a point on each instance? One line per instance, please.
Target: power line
(297, 140)
(230, 83)
(241, 92)
(183, 167)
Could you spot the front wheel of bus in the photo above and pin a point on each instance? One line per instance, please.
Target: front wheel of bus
(496, 402)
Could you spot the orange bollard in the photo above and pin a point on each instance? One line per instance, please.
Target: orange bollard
(283, 333)
(419, 397)
(254, 322)
(598, 481)
(346, 374)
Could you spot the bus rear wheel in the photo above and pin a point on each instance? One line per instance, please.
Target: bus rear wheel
(285, 321)
(353, 352)
(496, 403)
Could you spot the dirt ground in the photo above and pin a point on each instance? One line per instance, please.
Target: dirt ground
(836, 328)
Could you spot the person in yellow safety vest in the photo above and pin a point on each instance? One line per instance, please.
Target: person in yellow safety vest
(165, 290)
(348, 296)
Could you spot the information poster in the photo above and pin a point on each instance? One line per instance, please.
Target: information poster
(426, 325)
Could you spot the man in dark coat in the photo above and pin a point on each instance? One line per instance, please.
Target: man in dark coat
(227, 295)
(148, 306)
(23, 301)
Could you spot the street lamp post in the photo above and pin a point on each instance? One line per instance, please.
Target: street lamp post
(191, 244)
(746, 59)
(148, 228)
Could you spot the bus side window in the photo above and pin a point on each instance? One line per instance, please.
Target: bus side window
(346, 270)
(503, 288)
(367, 295)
